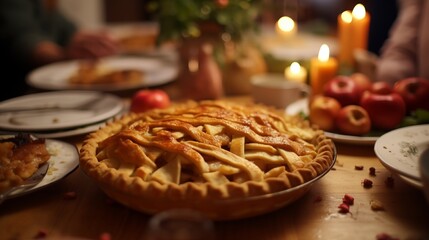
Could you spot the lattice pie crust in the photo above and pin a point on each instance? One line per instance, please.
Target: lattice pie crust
(195, 153)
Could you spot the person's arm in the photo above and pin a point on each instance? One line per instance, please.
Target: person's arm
(90, 45)
(398, 57)
(30, 34)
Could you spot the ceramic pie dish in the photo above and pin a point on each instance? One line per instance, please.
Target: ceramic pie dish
(226, 160)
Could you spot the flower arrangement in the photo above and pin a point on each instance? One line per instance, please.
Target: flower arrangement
(185, 18)
(228, 25)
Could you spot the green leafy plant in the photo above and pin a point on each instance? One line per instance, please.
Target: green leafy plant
(418, 116)
(180, 19)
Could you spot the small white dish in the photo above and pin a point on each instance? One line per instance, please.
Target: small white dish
(101, 106)
(300, 46)
(275, 90)
(399, 150)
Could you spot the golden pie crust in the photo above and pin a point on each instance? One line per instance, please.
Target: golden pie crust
(227, 160)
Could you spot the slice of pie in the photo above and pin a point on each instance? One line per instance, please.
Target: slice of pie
(90, 72)
(20, 157)
(212, 156)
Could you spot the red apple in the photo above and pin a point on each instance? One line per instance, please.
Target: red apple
(323, 111)
(353, 120)
(144, 100)
(222, 3)
(381, 87)
(344, 89)
(362, 81)
(385, 110)
(414, 91)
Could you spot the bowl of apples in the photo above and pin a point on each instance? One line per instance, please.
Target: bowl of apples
(354, 109)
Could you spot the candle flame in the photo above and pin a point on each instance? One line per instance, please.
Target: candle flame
(286, 24)
(359, 11)
(295, 67)
(323, 53)
(347, 16)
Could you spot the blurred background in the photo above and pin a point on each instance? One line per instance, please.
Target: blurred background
(315, 15)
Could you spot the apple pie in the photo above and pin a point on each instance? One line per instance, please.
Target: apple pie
(203, 154)
(92, 72)
(20, 157)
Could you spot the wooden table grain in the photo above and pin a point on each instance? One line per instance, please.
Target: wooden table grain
(92, 215)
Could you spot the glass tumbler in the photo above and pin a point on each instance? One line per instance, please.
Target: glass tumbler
(180, 224)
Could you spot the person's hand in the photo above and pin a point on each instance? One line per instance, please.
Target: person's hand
(46, 52)
(91, 45)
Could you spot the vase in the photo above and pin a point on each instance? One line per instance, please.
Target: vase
(200, 77)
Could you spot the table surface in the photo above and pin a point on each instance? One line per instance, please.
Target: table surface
(92, 215)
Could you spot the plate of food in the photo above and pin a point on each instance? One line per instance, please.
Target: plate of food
(105, 74)
(134, 38)
(58, 110)
(399, 150)
(62, 158)
(300, 107)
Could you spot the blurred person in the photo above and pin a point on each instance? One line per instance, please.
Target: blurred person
(34, 33)
(405, 53)
(383, 14)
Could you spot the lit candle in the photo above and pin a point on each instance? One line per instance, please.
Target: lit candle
(296, 73)
(353, 30)
(360, 24)
(322, 69)
(286, 27)
(345, 54)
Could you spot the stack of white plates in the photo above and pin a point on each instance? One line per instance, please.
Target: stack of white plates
(59, 113)
(400, 150)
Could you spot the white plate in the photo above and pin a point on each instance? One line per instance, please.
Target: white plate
(399, 150)
(301, 106)
(56, 76)
(66, 133)
(79, 130)
(64, 159)
(352, 139)
(411, 182)
(75, 131)
(102, 106)
(302, 46)
(71, 132)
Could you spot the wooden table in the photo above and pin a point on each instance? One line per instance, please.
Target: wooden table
(314, 216)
